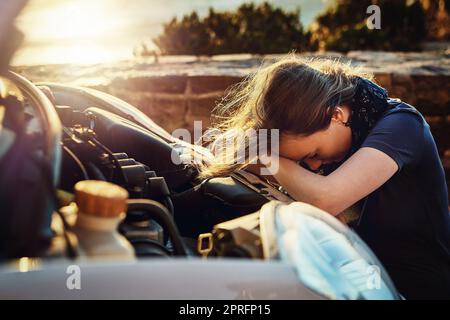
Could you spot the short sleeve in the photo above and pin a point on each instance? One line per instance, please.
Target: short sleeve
(400, 135)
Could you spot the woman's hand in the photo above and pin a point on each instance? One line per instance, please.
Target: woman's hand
(256, 168)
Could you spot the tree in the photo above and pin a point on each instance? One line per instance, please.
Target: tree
(343, 26)
(250, 29)
(189, 36)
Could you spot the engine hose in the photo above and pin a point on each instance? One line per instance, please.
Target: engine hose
(77, 161)
(71, 250)
(161, 215)
(95, 171)
(169, 204)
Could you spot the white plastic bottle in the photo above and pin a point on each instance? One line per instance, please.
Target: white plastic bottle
(101, 207)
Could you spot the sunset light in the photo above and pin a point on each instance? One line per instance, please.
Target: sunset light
(74, 32)
(95, 31)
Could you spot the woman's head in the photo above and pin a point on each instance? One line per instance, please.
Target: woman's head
(306, 100)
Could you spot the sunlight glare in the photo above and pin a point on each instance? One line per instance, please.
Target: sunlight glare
(71, 32)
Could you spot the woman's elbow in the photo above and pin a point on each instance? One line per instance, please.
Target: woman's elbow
(328, 208)
(328, 203)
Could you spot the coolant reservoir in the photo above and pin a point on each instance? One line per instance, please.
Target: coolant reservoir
(101, 207)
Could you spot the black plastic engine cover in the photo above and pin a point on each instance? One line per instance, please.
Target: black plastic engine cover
(122, 135)
(215, 200)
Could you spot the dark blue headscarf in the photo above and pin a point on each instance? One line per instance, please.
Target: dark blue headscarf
(368, 104)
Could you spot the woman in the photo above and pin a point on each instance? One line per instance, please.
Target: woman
(354, 146)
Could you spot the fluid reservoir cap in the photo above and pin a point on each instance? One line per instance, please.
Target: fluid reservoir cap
(100, 198)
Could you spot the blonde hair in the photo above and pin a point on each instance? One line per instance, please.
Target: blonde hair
(294, 95)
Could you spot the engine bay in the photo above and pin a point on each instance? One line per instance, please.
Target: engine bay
(102, 142)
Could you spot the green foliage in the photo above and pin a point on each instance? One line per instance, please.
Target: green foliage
(265, 29)
(343, 26)
(251, 29)
(188, 36)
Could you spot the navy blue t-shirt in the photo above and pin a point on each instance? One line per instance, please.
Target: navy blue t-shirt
(406, 221)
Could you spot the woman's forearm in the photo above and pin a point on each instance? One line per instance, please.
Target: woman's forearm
(361, 174)
(304, 185)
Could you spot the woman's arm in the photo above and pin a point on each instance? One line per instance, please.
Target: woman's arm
(364, 172)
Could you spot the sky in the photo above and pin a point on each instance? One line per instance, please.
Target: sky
(93, 31)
